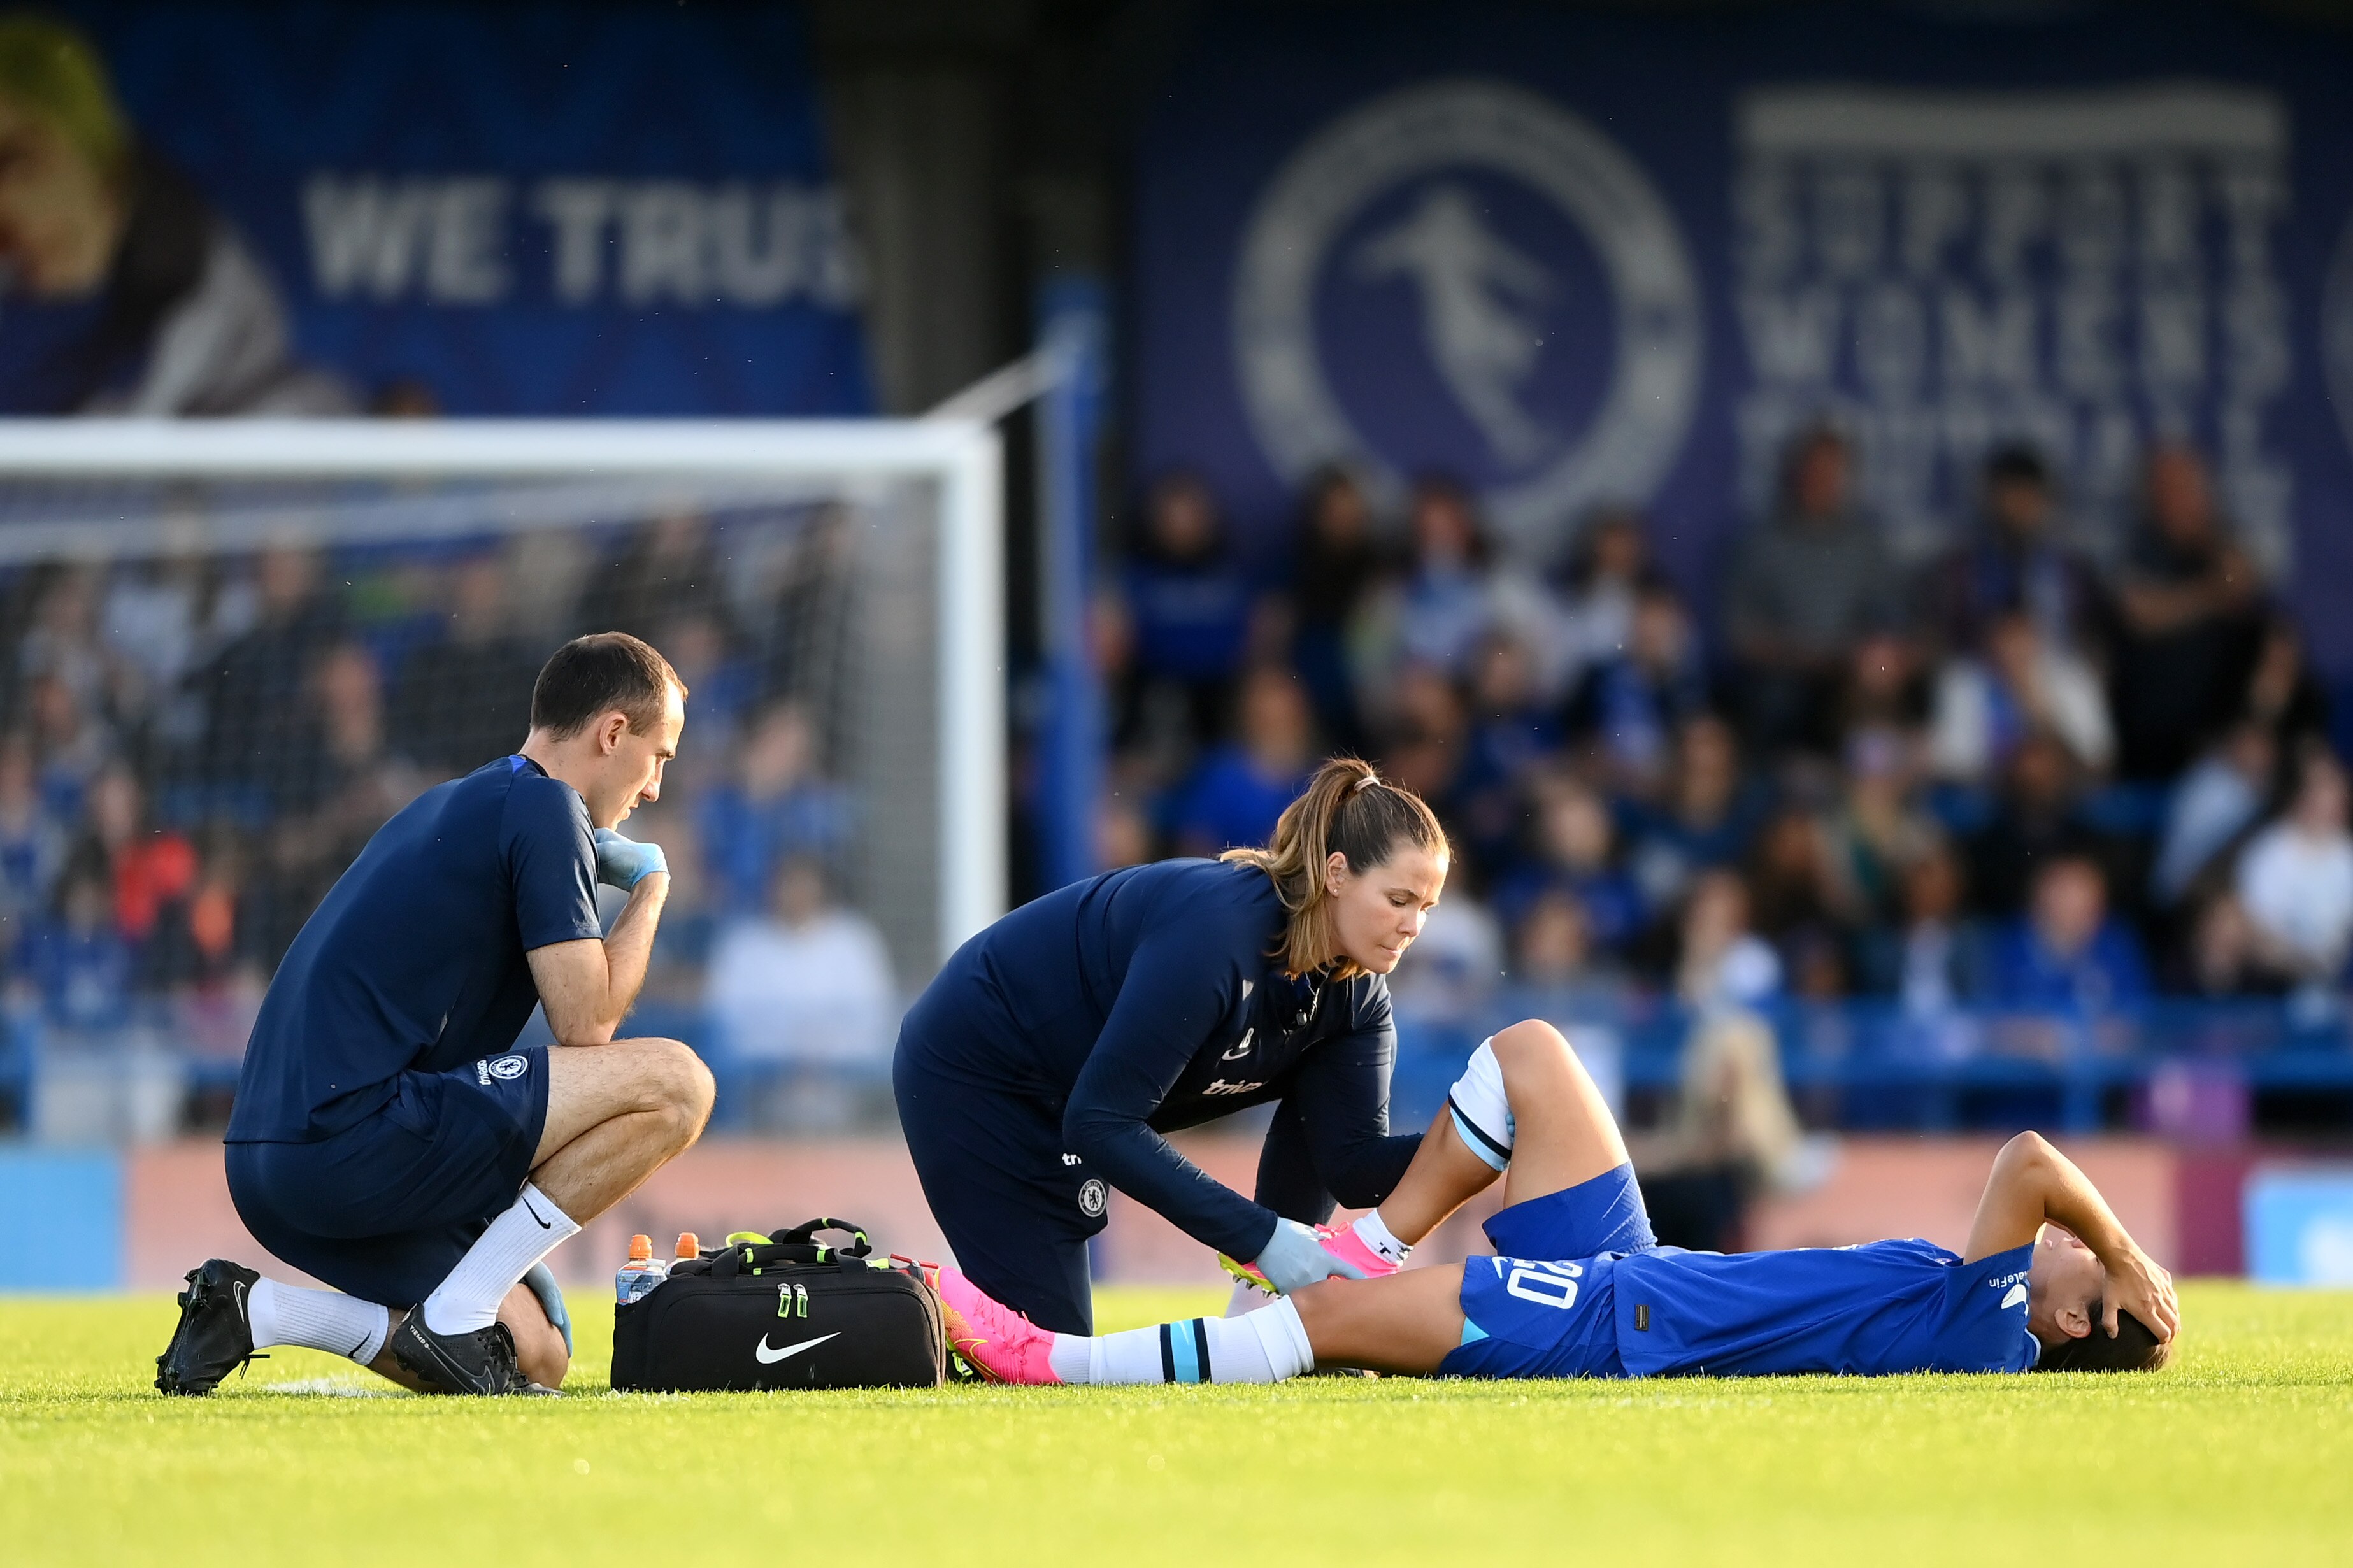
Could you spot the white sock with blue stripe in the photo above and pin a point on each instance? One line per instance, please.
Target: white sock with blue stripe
(1482, 1110)
(1266, 1346)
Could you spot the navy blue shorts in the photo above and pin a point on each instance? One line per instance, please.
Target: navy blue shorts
(382, 1210)
(1543, 1306)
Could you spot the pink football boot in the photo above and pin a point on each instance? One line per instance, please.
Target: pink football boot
(998, 1343)
(1342, 1243)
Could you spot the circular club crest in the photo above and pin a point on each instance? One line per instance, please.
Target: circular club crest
(1483, 298)
(1093, 1197)
(510, 1067)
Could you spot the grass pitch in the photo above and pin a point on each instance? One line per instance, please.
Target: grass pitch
(2242, 1453)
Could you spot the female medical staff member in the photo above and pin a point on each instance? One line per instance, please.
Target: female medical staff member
(1049, 1056)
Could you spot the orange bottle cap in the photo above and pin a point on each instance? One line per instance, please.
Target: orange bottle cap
(641, 1248)
(689, 1245)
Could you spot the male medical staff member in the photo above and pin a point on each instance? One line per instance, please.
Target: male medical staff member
(389, 1138)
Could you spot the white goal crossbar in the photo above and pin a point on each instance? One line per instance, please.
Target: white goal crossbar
(589, 462)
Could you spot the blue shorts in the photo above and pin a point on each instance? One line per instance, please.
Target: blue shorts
(383, 1209)
(1543, 1306)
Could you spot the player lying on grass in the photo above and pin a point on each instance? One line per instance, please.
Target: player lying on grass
(1581, 1287)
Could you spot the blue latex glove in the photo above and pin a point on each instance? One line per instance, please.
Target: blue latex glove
(1293, 1257)
(541, 1280)
(624, 862)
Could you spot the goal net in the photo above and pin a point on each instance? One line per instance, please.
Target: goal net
(229, 651)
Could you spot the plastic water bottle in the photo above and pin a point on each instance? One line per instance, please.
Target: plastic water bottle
(641, 1273)
(689, 1246)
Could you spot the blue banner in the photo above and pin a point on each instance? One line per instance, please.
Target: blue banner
(1580, 258)
(527, 209)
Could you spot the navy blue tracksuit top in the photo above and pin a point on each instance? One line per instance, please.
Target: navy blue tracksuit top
(1146, 1000)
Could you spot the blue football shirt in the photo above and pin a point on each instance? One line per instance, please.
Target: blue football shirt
(413, 961)
(1872, 1311)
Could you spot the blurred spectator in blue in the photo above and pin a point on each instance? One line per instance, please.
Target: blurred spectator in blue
(1988, 702)
(1608, 573)
(1792, 902)
(63, 641)
(2294, 879)
(33, 843)
(1721, 962)
(804, 981)
(1633, 699)
(1425, 737)
(1239, 790)
(2015, 565)
(2035, 820)
(1513, 735)
(253, 691)
(1876, 830)
(2065, 955)
(466, 699)
(1454, 592)
(1934, 960)
(1707, 818)
(72, 744)
(1190, 607)
(1805, 584)
(75, 963)
(724, 681)
(1553, 951)
(2188, 602)
(778, 806)
(2220, 798)
(1335, 566)
(1573, 856)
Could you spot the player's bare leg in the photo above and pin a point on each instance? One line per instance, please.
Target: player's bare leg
(1407, 1322)
(1565, 1136)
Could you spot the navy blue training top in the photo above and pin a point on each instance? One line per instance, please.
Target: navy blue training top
(1145, 1000)
(1871, 1311)
(413, 961)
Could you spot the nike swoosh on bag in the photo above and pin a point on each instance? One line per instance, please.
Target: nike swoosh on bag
(768, 1356)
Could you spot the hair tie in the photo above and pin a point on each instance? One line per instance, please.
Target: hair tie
(1360, 783)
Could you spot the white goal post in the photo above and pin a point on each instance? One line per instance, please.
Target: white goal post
(956, 461)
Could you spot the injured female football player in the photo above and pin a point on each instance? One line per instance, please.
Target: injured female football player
(1579, 1287)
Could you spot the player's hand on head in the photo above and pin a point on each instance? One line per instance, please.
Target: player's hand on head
(2136, 1285)
(1294, 1257)
(624, 862)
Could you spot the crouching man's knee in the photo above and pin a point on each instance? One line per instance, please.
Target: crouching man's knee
(687, 1089)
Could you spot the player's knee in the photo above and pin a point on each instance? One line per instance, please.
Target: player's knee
(1531, 1046)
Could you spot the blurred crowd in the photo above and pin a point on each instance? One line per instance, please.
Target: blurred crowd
(2020, 775)
(193, 749)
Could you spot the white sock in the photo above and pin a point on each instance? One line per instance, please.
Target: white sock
(1266, 1346)
(1482, 1112)
(1374, 1232)
(493, 1265)
(316, 1320)
(1247, 1299)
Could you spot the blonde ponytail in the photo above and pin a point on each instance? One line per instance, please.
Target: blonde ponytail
(1350, 808)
